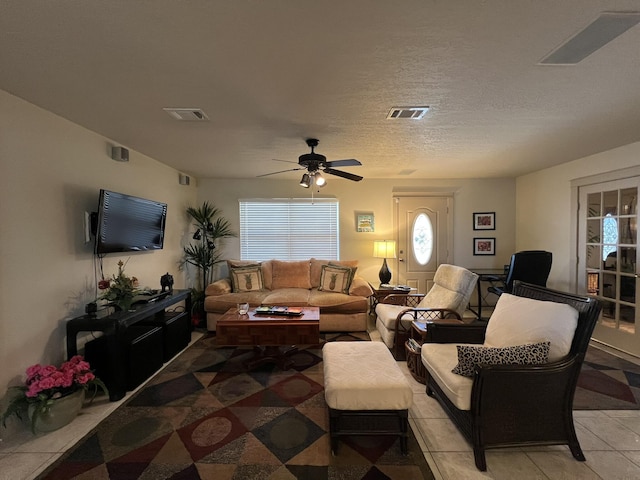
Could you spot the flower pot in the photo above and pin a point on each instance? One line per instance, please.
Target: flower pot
(60, 412)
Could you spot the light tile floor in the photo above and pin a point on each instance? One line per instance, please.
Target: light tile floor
(609, 439)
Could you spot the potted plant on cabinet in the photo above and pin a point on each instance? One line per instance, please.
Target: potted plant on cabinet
(202, 253)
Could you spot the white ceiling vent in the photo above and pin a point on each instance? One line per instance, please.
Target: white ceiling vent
(594, 36)
(413, 113)
(187, 114)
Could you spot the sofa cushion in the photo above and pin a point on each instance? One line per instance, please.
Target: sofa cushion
(335, 279)
(519, 320)
(219, 287)
(288, 274)
(287, 297)
(241, 263)
(469, 356)
(316, 268)
(332, 302)
(360, 287)
(247, 278)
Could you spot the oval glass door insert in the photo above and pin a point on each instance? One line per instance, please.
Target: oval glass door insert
(422, 235)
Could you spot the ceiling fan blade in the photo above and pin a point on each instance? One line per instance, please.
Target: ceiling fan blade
(281, 171)
(286, 161)
(340, 173)
(351, 162)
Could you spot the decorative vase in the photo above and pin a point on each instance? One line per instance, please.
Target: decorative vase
(61, 411)
(122, 304)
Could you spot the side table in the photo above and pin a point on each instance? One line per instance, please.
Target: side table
(418, 333)
(381, 293)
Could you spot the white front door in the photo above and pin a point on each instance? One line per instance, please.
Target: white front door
(608, 258)
(423, 225)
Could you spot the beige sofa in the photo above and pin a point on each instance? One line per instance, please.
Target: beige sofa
(332, 285)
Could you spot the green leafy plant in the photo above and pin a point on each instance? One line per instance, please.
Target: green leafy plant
(202, 253)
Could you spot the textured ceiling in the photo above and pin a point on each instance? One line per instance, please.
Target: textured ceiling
(270, 73)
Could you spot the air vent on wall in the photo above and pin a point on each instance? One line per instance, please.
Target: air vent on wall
(413, 113)
(187, 114)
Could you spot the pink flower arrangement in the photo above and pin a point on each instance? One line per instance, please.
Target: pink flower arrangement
(46, 383)
(55, 382)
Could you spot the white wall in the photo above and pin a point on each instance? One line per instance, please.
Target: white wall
(52, 171)
(543, 207)
(375, 195)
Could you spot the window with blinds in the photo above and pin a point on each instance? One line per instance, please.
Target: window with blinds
(289, 229)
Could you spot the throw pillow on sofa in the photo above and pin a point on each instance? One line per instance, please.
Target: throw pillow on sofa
(290, 274)
(334, 278)
(317, 264)
(247, 278)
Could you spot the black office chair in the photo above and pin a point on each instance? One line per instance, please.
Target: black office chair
(529, 266)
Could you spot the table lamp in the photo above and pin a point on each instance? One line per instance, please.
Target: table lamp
(384, 249)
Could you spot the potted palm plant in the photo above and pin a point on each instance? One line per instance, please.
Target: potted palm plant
(202, 253)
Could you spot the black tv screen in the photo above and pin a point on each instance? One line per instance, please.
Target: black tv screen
(129, 224)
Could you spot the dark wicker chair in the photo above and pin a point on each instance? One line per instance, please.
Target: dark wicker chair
(529, 266)
(520, 405)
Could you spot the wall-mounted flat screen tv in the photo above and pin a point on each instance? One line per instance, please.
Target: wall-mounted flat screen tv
(129, 224)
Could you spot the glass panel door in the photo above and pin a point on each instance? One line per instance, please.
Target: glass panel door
(608, 254)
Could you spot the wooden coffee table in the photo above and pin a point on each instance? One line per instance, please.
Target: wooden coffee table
(273, 337)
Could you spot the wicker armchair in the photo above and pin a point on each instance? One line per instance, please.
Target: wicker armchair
(519, 405)
(412, 312)
(445, 302)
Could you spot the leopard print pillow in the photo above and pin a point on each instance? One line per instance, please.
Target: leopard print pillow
(530, 354)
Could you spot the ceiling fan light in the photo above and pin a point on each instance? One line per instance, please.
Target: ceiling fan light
(320, 181)
(305, 181)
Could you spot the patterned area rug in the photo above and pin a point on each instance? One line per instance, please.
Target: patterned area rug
(205, 417)
(607, 382)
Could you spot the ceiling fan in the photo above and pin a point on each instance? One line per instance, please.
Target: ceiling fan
(314, 163)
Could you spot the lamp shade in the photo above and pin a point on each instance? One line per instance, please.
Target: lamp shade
(384, 249)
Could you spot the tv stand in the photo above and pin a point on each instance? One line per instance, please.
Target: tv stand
(115, 329)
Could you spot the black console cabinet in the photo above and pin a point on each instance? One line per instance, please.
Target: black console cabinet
(117, 343)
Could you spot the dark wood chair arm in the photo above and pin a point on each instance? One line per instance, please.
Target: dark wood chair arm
(444, 316)
(442, 332)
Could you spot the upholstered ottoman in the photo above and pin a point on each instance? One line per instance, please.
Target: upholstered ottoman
(366, 391)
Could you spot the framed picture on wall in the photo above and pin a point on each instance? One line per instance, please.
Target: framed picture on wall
(484, 221)
(484, 246)
(365, 222)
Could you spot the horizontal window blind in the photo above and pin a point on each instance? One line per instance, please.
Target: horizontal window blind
(289, 229)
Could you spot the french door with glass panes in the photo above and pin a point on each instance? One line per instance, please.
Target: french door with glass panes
(608, 259)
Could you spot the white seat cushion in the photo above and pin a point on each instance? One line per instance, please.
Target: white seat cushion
(439, 359)
(388, 313)
(386, 321)
(520, 320)
(363, 376)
